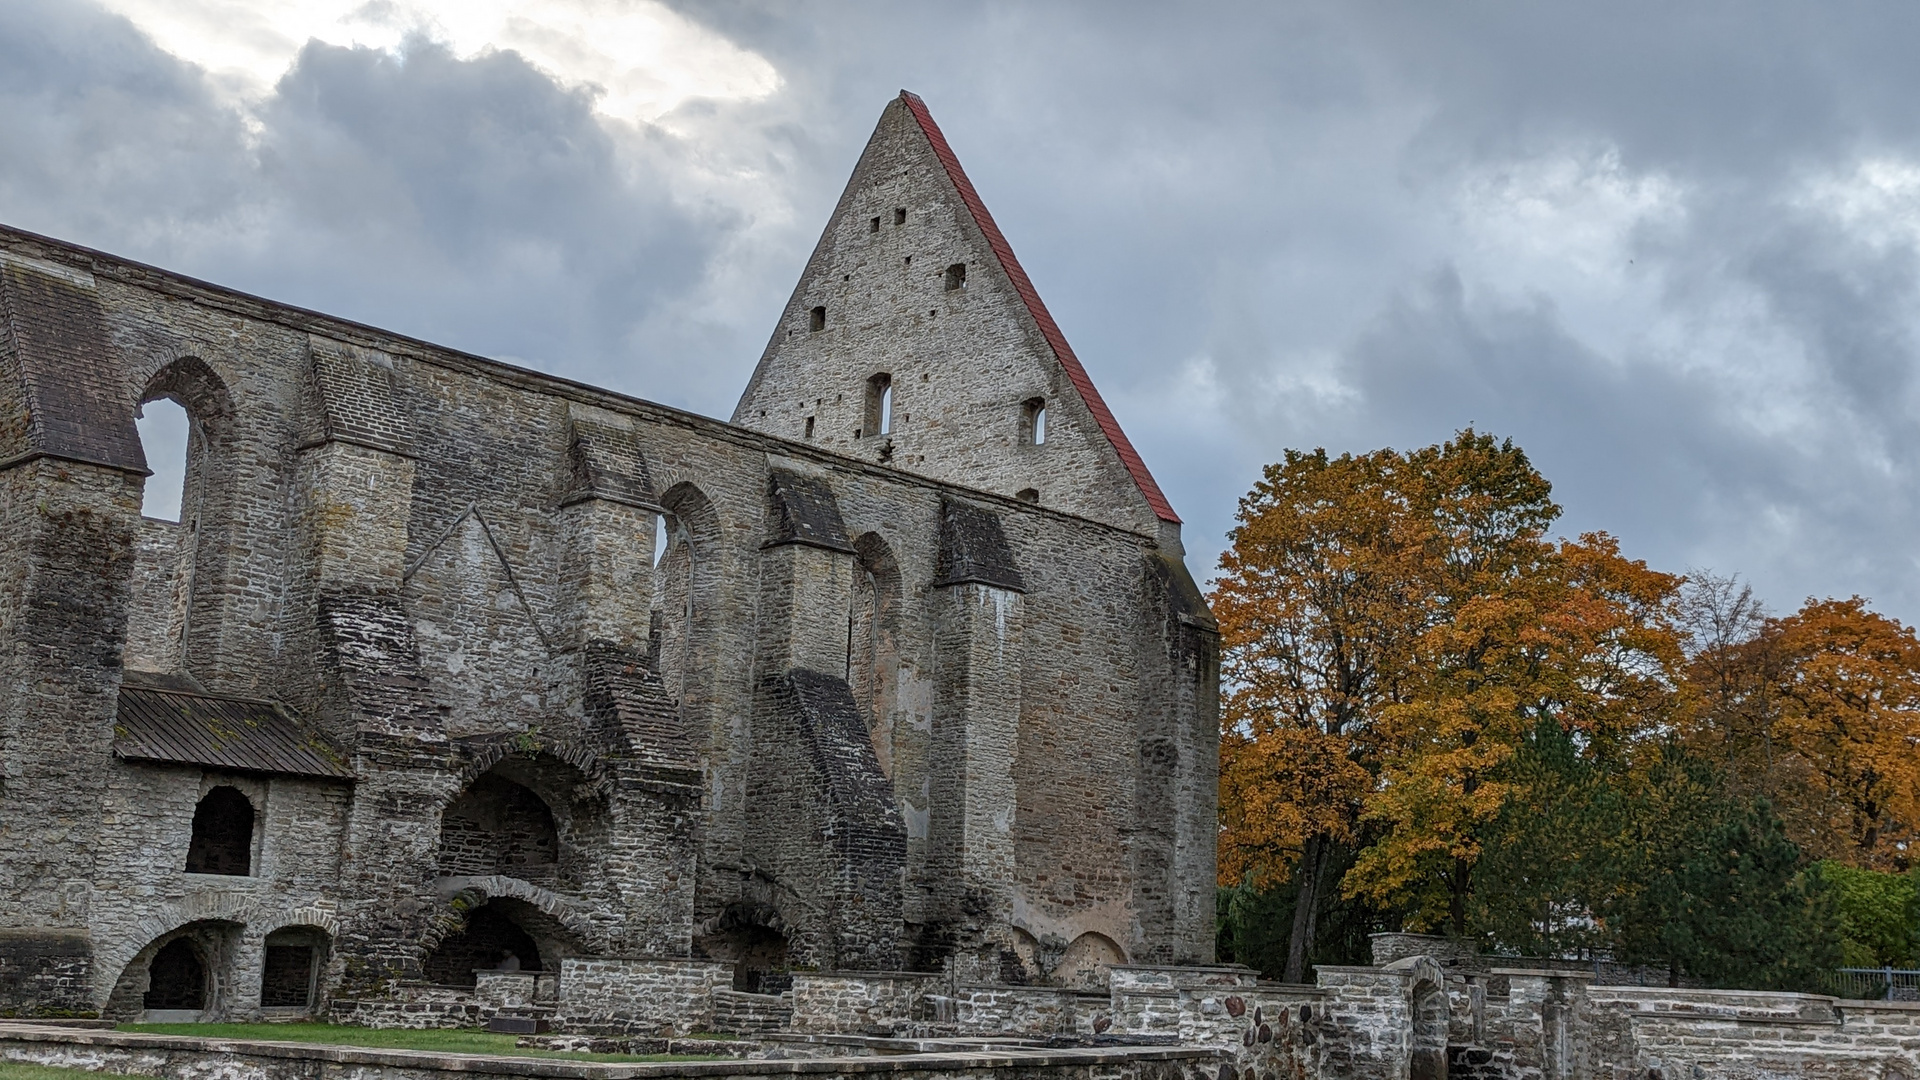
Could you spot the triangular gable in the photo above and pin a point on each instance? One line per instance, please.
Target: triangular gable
(914, 297)
(1037, 308)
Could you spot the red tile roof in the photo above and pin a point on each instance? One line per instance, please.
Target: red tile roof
(1038, 309)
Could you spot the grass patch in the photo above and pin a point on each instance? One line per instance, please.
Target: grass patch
(446, 1041)
(13, 1071)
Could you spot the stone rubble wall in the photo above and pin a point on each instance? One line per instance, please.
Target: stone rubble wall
(642, 996)
(858, 1002)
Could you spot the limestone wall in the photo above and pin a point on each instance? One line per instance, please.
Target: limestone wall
(445, 566)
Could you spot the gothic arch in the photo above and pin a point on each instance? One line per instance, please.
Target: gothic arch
(686, 597)
(207, 512)
(873, 647)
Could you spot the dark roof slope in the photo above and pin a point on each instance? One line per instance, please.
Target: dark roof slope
(167, 721)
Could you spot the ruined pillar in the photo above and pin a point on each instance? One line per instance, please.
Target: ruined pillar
(606, 524)
(825, 825)
(976, 727)
(71, 471)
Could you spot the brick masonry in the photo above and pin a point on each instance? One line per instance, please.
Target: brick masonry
(865, 711)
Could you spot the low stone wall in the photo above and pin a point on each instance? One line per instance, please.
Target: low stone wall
(501, 989)
(182, 1058)
(1029, 1010)
(640, 996)
(736, 1012)
(857, 1003)
(412, 1015)
(1669, 1034)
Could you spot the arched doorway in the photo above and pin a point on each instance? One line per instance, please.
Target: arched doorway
(1430, 1014)
(176, 978)
(491, 940)
(222, 841)
(751, 936)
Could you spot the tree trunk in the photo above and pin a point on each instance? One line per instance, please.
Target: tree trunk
(1462, 887)
(1306, 909)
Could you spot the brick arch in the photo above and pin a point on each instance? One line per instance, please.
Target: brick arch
(463, 894)
(483, 756)
(199, 389)
(250, 915)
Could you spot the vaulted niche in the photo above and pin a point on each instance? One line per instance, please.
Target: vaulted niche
(497, 826)
(185, 418)
(222, 840)
(492, 940)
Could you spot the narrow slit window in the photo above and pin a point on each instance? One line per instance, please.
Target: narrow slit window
(879, 410)
(900, 215)
(873, 225)
(1033, 426)
(809, 429)
(164, 427)
(817, 319)
(956, 277)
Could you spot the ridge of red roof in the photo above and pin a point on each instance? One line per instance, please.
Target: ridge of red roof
(1038, 309)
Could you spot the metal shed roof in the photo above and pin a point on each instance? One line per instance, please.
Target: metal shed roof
(163, 720)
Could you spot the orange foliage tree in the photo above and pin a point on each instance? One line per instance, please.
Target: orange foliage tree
(1320, 598)
(1843, 694)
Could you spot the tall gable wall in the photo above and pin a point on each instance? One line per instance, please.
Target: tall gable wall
(963, 357)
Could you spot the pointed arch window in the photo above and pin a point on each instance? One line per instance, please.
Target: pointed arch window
(879, 411)
(1033, 421)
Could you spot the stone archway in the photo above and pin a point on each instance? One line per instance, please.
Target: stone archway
(1430, 1014)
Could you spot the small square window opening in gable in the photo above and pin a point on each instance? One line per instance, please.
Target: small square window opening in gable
(900, 215)
(817, 319)
(1033, 421)
(956, 276)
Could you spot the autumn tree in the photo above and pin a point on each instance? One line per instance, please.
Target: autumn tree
(1843, 685)
(1527, 631)
(1320, 597)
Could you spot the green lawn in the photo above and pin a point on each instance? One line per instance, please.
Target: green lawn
(10, 1071)
(454, 1041)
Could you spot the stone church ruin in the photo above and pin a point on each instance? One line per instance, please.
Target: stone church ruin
(452, 668)
(463, 695)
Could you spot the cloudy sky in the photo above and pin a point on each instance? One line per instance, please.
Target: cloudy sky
(1672, 250)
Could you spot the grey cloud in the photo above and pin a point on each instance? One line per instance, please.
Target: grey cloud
(1247, 217)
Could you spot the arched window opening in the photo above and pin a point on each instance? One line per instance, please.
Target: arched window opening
(499, 827)
(956, 277)
(817, 319)
(873, 652)
(879, 409)
(222, 834)
(490, 941)
(176, 977)
(289, 974)
(1028, 495)
(164, 429)
(1033, 421)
